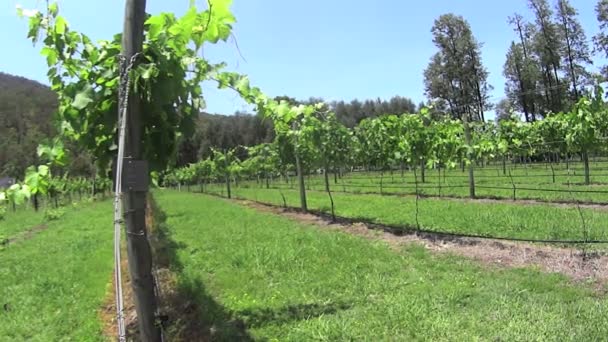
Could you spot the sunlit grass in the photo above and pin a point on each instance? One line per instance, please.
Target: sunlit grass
(19, 221)
(52, 285)
(292, 282)
(530, 182)
(508, 220)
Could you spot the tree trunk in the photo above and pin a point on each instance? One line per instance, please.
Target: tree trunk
(331, 199)
(439, 180)
(326, 177)
(138, 249)
(417, 200)
(227, 174)
(586, 162)
(422, 173)
(228, 190)
(94, 184)
(35, 202)
(301, 183)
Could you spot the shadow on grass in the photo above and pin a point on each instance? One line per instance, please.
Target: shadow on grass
(262, 317)
(192, 314)
(189, 312)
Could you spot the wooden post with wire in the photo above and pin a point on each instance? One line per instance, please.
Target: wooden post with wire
(467, 135)
(300, 174)
(227, 174)
(134, 197)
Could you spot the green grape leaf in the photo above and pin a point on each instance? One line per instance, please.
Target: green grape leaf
(83, 98)
(156, 25)
(60, 25)
(50, 54)
(53, 9)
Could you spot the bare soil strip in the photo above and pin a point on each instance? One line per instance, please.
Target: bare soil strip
(108, 311)
(23, 236)
(581, 268)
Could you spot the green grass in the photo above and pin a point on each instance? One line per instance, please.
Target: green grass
(490, 182)
(507, 220)
(52, 285)
(291, 282)
(19, 221)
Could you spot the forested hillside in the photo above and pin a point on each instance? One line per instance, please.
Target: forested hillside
(26, 119)
(26, 109)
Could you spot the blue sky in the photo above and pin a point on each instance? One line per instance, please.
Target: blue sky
(338, 50)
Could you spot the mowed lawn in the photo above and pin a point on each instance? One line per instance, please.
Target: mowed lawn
(52, 285)
(293, 282)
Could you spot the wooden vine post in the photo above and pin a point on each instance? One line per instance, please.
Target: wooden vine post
(134, 200)
(467, 136)
(303, 204)
(227, 174)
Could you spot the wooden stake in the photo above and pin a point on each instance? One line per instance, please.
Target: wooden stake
(134, 202)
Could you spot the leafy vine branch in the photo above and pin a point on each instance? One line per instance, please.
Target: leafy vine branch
(166, 81)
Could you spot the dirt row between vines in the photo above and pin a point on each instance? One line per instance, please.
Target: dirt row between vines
(25, 235)
(108, 311)
(590, 268)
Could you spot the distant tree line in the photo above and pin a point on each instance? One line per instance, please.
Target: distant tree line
(242, 129)
(223, 132)
(547, 67)
(26, 109)
(353, 112)
(26, 120)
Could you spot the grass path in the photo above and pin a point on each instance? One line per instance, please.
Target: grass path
(19, 221)
(507, 220)
(289, 281)
(52, 285)
(489, 182)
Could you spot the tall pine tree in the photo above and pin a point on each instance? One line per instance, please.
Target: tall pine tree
(576, 50)
(455, 74)
(600, 40)
(547, 46)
